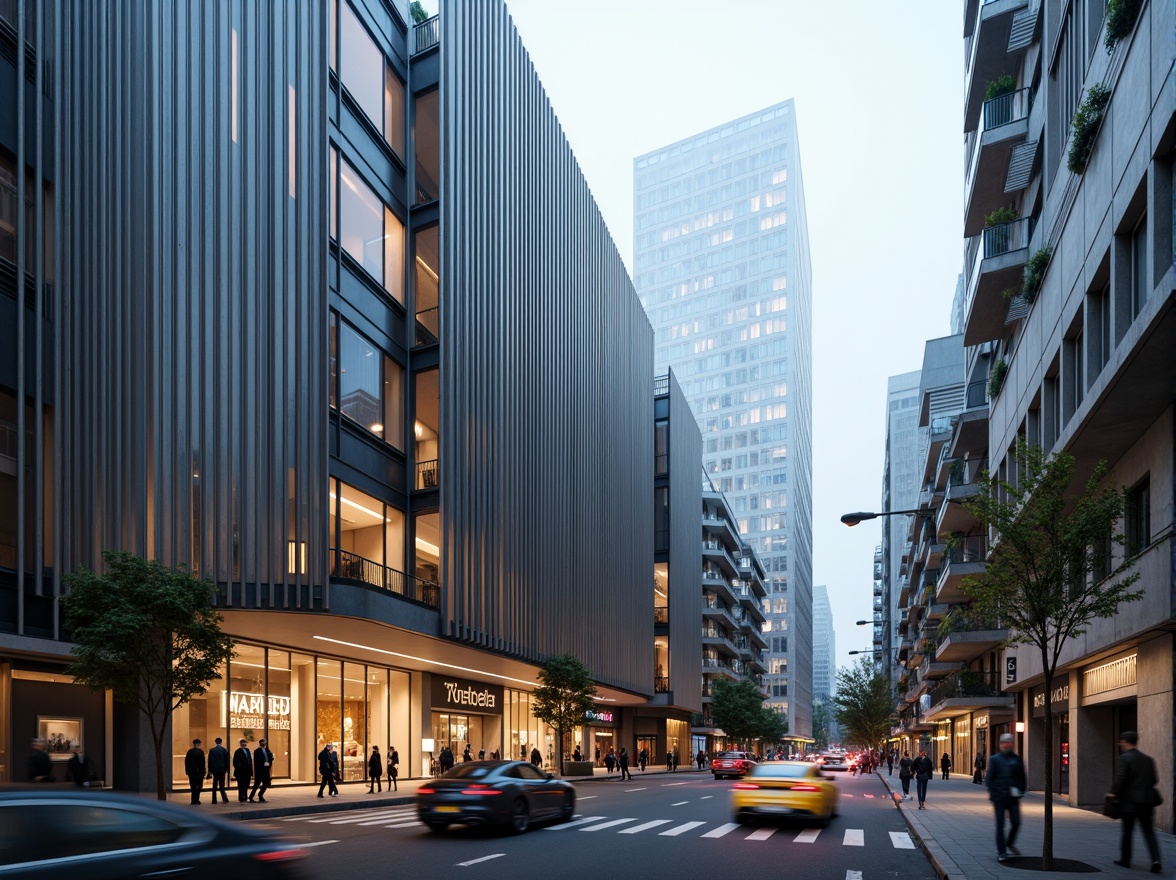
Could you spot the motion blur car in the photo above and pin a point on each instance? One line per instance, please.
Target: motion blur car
(833, 762)
(59, 833)
(508, 793)
(785, 789)
(732, 764)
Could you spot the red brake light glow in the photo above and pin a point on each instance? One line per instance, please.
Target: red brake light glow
(424, 789)
(805, 787)
(745, 786)
(480, 788)
(280, 855)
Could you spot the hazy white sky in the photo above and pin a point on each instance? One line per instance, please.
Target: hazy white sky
(879, 92)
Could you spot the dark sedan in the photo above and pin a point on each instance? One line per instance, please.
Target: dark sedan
(508, 793)
(67, 833)
(733, 764)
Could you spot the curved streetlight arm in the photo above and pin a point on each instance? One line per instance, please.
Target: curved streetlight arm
(852, 519)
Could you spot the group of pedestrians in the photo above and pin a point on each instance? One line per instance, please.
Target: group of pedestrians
(247, 767)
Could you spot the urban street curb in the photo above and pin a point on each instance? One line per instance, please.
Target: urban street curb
(944, 867)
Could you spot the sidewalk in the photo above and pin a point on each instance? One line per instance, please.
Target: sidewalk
(288, 800)
(958, 833)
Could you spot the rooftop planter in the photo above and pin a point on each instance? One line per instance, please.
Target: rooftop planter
(1121, 15)
(996, 376)
(1084, 129)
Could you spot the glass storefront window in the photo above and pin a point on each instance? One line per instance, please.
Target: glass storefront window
(279, 711)
(247, 690)
(203, 718)
(329, 705)
(303, 754)
(353, 753)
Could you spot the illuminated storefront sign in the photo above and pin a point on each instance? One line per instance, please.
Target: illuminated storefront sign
(596, 715)
(470, 696)
(258, 712)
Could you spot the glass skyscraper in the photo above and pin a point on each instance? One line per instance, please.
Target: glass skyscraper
(721, 263)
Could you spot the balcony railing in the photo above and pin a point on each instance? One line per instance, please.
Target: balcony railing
(661, 384)
(977, 394)
(661, 684)
(969, 548)
(428, 327)
(661, 615)
(967, 683)
(1004, 238)
(427, 34)
(427, 474)
(346, 565)
(1007, 108)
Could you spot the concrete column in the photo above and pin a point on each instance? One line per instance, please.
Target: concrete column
(1092, 745)
(1154, 681)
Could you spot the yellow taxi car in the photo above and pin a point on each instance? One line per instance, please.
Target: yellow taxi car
(785, 790)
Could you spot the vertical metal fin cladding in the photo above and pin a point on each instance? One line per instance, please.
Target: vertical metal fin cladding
(547, 412)
(196, 326)
(685, 591)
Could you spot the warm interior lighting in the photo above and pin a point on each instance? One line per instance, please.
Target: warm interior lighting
(1020, 727)
(432, 549)
(418, 429)
(528, 683)
(362, 508)
(376, 428)
(428, 270)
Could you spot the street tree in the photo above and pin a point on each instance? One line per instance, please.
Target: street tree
(822, 715)
(148, 634)
(772, 726)
(566, 693)
(863, 704)
(1054, 567)
(738, 708)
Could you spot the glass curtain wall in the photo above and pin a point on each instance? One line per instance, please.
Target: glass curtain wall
(525, 732)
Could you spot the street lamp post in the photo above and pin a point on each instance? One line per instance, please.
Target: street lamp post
(852, 519)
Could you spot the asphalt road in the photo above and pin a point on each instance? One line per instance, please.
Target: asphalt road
(652, 827)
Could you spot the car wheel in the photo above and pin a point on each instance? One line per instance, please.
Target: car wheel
(520, 817)
(437, 826)
(569, 807)
(744, 819)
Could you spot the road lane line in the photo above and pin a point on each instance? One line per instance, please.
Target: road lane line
(669, 784)
(853, 875)
(680, 829)
(854, 837)
(809, 835)
(706, 797)
(475, 861)
(761, 834)
(316, 843)
(404, 825)
(334, 818)
(634, 789)
(588, 797)
(637, 829)
(573, 823)
(679, 803)
(901, 840)
(604, 825)
(868, 795)
(722, 829)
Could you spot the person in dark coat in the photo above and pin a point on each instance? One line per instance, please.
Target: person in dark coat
(393, 767)
(445, 759)
(642, 759)
(1006, 785)
(324, 768)
(1135, 790)
(904, 774)
(623, 761)
(40, 764)
(375, 771)
(701, 759)
(923, 770)
(945, 764)
(890, 762)
(536, 757)
(979, 765)
(218, 766)
(263, 768)
(610, 761)
(467, 755)
(242, 770)
(195, 768)
(80, 770)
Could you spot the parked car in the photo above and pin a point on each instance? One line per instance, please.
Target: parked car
(60, 833)
(733, 764)
(508, 793)
(785, 789)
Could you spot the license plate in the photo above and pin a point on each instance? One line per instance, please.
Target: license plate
(444, 809)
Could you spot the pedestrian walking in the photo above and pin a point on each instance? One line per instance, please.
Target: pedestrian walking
(642, 759)
(610, 762)
(701, 759)
(375, 771)
(482, 754)
(40, 764)
(467, 755)
(333, 777)
(978, 766)
(194, 768)
(675, 767)
(218, 767)
(536, 757)
(80, 770)
(576, 756)
(923, 770)
(242, 770)
(945, 764)
(393, 767)
(623, 760)
(1006, 785)
(890, 762)
(263, 769)
(1135, 790)
(904, 775)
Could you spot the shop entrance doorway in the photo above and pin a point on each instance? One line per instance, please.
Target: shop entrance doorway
(649, 743)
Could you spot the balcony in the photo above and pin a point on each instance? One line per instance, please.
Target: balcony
(716, 554)
(720, 528)
(426, 35)
(995, 262)
(988, 29)
(964, 646)
(428, 327)
(347, 566)
(965, 692)
(427, 474)
(717, 637)
(965, 558)
(933, 669)
(962, 486)
(972, 424)
(717, 582)
(989, 154)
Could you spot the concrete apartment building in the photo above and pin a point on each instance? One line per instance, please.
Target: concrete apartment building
(1081, 359)
(286, 326)
(721, 263)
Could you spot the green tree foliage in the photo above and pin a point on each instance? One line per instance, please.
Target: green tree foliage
(822, 715)
(863, 704)
(565, 694)
(772, 726)
(418, 12)
(737, 707)
(147, 633)
(1050, 571)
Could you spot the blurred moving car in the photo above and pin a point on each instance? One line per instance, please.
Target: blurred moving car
(733, 764)
(58, 832)
(508, 793)
(785, 789)
(833, 762)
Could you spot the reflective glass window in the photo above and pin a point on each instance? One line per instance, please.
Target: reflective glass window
(361, 65)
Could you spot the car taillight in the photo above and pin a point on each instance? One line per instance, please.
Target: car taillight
(424, 789)
(480, 788)
(805, 788)
(280, 855)
(745, 786)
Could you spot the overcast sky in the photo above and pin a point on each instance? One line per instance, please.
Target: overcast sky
(878, 90)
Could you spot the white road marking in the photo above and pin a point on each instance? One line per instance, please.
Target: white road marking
(336, 819)
(853, 875)
(901, 840)
(634, 789)
(706, 797)
(316, 843)
(573, 823)
(313, 817)
(761, 834)
(722, 829)
(854, 837)
(868, 795)
(588, 797)
(679, 803)
(669, 784)
(475, 861)
(809, 835)
(637, 829)
(680, 829)
(401, 824)
(604, 825)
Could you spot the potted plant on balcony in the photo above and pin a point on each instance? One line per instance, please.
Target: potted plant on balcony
(1121, 15)
(1002, 85)
(999, 216)
(1085, 126)
(996, 376)
(1035, 268)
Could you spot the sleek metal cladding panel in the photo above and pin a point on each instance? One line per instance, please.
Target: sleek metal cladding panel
(546, 415)
(193, 205)
(685, 551)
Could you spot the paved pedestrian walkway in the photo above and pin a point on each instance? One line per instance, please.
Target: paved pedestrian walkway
(958, 833)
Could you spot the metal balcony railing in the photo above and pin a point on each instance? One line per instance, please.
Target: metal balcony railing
(346, 565)
(427, 34)
(661, 384)
(427, 474)
(1005, 238)
(661, 684)
(967, 548)
(428, 327)
(967, 683)
(1007, 108)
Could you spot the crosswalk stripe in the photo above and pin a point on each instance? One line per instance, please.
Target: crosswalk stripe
(809, 835)
(680, 829)
(901, 840)
(604, 825)
(378, 818)
(637, 829)
(868, 795)
(318, 817)
(854, 837)
(405, 824)
(671, 784)
(627, 790)
(384, 820)
(334, 819)
(722, 829)
(573, 823)
(680, 803)
(761, 834)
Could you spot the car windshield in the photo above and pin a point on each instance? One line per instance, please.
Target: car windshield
(781, 771)
(468, 771)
